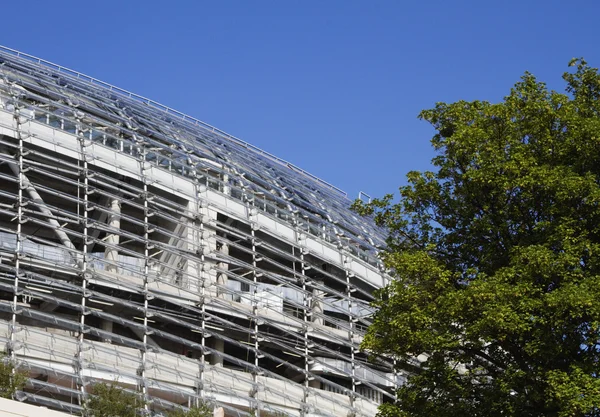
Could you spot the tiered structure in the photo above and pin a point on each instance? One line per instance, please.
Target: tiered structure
(140, 245)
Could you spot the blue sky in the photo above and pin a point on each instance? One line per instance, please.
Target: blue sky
(333, 86)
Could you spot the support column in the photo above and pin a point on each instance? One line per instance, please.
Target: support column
(222, 277)
(111, 253)
(193, 236)
(314, 383)
(107, 326)
(207, 245)
(226, 187)
(219, 346)
(206, 281)
(317, 308)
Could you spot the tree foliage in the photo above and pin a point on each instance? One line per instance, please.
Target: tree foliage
(495, 257)
(11, 380)
(201, 410)
(110, 400)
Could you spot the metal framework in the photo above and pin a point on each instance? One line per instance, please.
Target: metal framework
(141, 245)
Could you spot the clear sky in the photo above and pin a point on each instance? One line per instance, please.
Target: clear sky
(334, 87)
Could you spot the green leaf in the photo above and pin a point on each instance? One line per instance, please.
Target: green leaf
(495, 258)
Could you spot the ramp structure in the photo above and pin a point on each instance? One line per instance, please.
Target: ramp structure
(143, 246)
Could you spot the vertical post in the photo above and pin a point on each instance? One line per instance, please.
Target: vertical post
(395, 376)
(255, 315)
(307, 314)
(19, 242)
(83, 174)
(195, 242)
(351, 321)
(147, 246)
(202, 279)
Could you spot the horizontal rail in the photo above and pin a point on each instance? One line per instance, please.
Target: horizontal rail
(168, 110)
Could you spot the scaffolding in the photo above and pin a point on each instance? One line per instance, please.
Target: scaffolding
(140, 245)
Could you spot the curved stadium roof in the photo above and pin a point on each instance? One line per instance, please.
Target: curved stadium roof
(195, 144)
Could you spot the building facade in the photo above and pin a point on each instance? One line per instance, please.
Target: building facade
(142, 246)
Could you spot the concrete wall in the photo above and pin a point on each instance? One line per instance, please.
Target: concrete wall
(9, 408)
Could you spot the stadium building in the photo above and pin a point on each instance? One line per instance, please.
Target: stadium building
(143, 246)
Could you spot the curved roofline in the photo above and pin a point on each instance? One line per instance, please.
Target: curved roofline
(168, 110)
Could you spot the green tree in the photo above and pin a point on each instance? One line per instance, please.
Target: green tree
(201, 410)
(11, 380)
(496, 258)
(110, 400)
